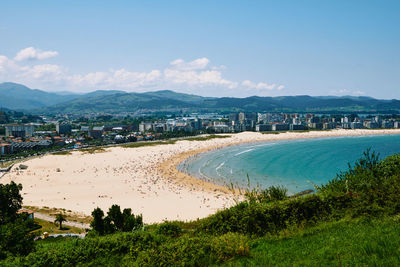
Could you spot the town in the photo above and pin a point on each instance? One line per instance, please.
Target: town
(24, 135)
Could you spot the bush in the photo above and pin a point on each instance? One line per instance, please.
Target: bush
(202, 250)
(373, 185)
(15, 238)
(115, 221)
(171, 229)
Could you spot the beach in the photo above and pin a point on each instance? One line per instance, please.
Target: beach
(144, 179)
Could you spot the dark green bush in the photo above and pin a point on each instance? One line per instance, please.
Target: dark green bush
(202, 250)
(115, 221)
(260, 218)
(172, 229)
(373, 185)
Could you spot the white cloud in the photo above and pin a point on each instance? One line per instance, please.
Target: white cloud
(197, 64)
(347, 92)
(31, 53)
(201, 78)
(196, 76)
(261, 85)
(47, 72)
(115, 79)
(7, 65)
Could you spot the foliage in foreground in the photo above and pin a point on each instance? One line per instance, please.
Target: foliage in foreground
(355, 242)
(332, 226)
(140, 248)
(15, 237)
(115, 221)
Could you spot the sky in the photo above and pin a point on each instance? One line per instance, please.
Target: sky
(209, 48)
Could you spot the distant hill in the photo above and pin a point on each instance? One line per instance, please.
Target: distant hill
(157, 101)
(19, 97)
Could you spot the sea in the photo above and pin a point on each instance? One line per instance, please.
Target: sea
(298, 165)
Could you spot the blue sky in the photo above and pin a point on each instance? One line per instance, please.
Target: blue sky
(211, 48)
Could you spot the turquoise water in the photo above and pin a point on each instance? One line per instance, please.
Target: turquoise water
(297, 164)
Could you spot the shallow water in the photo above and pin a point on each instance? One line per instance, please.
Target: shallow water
(297, 164)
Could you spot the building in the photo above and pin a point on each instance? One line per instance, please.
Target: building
(280, 127)
(316, 125)
(145, 126)
(96, 132)
(85, 129)
(63, 128)
(297, 127)
(371, 125)
(19, 130)
(329, 125)
(356, 125)
(233, 118)
(5, 149)
(387, 124)
(29, 214)
(263, 127)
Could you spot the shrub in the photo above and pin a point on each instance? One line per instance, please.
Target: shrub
(171, 229)
(202, 250)
(115, 220)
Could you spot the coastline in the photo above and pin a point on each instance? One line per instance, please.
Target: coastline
(170, 167)
(144, 178)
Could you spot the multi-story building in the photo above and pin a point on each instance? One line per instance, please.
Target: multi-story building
(280, 127)
(63, 128)
(263, 127)
(5, 149)
(297, 127)
(19, 130)
(371, 124)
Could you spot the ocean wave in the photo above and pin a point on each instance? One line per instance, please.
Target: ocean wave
(248, 150)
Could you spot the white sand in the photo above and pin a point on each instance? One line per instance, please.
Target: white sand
(144, 179)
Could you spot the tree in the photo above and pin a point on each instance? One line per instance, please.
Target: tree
(15, 238)
(116, 216)
(10, 202)
(115, 220)
(14, 229)
(60, 218)
(98, 221)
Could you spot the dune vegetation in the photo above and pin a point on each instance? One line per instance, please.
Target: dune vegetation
(352, 220)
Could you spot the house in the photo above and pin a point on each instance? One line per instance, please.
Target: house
(5, 149)
(30, 214)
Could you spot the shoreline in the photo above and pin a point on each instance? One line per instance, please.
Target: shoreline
(170, 167)
(142, 178)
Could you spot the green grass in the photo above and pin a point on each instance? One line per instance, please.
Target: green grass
(65, 152)
(360, 242)
(208, 137)
(69, 215)
(169, 142)
(148, 143)
(92, 150)
(53, 228)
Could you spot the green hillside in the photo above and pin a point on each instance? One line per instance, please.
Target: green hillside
(19, 97)
(354, 220)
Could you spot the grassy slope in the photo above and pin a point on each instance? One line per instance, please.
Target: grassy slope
(348, 242)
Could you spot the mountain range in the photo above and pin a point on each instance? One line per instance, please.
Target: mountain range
(19, 97)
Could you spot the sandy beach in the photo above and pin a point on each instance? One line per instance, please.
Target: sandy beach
(143, 178)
